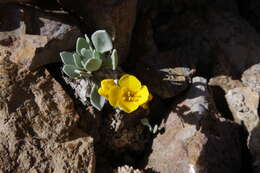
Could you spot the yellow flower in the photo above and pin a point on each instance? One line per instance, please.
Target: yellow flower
(128, 95)
(106, 86)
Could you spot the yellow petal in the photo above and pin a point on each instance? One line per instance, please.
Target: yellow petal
(128, 107)
(102, 92)
(114, 96)
(107, 84)
(130, 82)
(142, 95)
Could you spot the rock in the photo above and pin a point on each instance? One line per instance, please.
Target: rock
(35, 37)
(172, 73)
(195, 138)
(243, 103)
(117, 17)
(38, 97)
(250, 10)
(127, 169)
(212, 40)
(251, 78)
(238, 42)
(38, 124)
(225, 82)
(76, 155)
(124, 132)
(16, 1)
(173, 79)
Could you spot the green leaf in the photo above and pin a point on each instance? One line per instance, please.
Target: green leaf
(87, 53)
(77, 60)
(93, 64)
(71, 71)
(97, 100)
(67, 58)
(102, 41)
(87, 39)
(106, 63)
(146, 122)
(96, 54)
(155, 129)
(81, 43)
(114, 59)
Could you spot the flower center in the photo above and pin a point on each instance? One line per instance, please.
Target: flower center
(130, 97)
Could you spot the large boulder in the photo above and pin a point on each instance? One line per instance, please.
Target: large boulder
(196, 139)
(211, 40)
(33, 38)
(39, 124)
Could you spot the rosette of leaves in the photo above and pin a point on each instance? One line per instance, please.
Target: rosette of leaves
(90, 56)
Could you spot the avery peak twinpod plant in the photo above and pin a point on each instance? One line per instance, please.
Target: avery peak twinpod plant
(128, 94)
(90, 56)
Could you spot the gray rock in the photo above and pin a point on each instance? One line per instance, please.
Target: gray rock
(36, 37)
(251, 78)
(127, 169)
(243, 103)
(225, 82)
(195, 138)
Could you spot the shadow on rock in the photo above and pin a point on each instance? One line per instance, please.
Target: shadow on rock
(197, 139)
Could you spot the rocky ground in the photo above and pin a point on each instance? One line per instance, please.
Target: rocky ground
(199, 58)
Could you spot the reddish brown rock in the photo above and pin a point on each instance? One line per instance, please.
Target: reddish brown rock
(35, 38)
(195, 138)
(38, 125)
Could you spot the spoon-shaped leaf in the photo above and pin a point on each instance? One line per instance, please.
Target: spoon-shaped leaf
(67, 58)
(97, 100)
(114, 59)
(87, 53)
(77, 60)
(93, 64)
(81, 43)
(101, 41)
(96, 54)
(71, 71)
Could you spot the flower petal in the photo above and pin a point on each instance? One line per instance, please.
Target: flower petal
(142, 95)
(102, 92)
(130, 82)
(107, 84)
(114, 96)
(128, 107)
